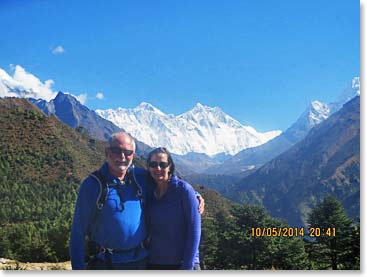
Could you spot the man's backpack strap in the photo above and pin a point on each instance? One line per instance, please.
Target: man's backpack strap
(91, 247)
(103, 188)
(138, 177)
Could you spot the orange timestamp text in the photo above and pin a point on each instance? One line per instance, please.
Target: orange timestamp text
(292, 232)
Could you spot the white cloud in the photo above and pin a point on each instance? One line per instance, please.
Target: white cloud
(82, 98)
(24, 84)
(99, 95)
(58, 50)
(29, 85)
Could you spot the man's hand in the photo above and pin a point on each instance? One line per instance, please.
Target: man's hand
(201, 203)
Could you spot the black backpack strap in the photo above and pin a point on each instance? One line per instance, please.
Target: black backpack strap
(103, 188)
(139, 177)
(92, 248)
(134, 180)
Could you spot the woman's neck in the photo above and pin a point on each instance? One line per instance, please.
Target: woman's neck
(162, 188)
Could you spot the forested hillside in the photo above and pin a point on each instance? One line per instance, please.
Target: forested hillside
(42, 164)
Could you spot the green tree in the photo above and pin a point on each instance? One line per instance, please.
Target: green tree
(329, 250)
(266, 252)
(289, 253)
(209, 243)
(228, 242)
(254, 251)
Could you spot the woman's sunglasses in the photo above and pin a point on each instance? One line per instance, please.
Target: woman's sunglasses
(156, 164)
(119, 151)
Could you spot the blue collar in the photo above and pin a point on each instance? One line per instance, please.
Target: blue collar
(174, 180)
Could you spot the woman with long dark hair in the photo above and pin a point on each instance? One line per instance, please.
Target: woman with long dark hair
(174, 223)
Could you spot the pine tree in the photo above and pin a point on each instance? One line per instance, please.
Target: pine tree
(329, 250)
(265, 252)
(208, 243)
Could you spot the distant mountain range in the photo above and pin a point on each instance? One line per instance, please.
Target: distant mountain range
(254, 157)
(203, 129)
(197, 133)
(326, 161)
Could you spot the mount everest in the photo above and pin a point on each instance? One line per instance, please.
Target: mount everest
(202, 129)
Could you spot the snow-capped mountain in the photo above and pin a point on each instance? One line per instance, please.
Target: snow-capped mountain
(350, 92)
(317, 112)
(202, 129)
(314, 114)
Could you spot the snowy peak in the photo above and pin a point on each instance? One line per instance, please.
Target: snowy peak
(144, 106)
(349, 93)
(196, 111)
(202, 113)
(202, 129)
(4, 76)
(199, 108)
(317, 112)
(355, 84)
(314, 114)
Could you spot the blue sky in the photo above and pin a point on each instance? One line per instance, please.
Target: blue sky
(262, 62)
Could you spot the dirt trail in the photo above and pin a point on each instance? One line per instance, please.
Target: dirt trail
(6, 264)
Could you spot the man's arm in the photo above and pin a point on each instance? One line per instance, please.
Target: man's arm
(84, 209)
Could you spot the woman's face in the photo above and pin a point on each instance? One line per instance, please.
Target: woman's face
(159, 167)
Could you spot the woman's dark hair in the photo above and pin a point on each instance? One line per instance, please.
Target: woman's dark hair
(169, 157)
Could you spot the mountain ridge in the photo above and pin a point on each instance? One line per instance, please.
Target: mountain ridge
(315, 113)
(70, 111)
(198, 130)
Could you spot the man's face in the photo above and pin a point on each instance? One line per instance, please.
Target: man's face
(120, 155)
